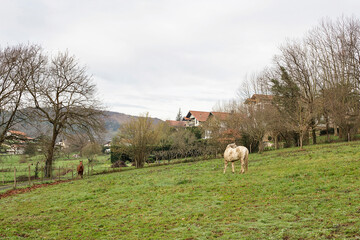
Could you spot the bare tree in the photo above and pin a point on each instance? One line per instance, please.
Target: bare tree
(182, 141)
(257, 83)
(139, 135)
(255, 122)
(301, 66)
(336, 45)
(18, 64)
(90, 151)
(63, 95)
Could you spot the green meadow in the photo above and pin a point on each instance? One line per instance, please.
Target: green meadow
(286, 194)
(67, 166)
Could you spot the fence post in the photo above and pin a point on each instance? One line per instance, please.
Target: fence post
(88, 169)
(14, 177)
(29, 176)
(42, 174)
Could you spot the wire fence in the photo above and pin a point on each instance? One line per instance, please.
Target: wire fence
(35, 173)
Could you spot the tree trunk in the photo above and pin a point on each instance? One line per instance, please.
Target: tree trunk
(314, 135)
(261, 147)
(50, 155)
(327, 130)
(301, 140)
(335, 130)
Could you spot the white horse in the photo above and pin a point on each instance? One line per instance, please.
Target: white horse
(234, 153)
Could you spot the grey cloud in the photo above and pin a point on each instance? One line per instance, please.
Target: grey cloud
(157, 56)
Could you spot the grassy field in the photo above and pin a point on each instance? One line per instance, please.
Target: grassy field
(287, 194)
(21, 163)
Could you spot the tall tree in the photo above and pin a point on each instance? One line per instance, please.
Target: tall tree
(63, 95)
(336, 45)
(18, 64)
(301, 66)
(292, 107)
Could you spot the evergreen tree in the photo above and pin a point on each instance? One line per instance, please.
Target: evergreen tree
(179, 115)
(290, 104)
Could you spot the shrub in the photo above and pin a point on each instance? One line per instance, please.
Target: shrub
(118, 164)
(119, 153)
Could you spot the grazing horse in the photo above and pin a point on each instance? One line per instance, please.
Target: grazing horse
(80, 169)
(234, 153)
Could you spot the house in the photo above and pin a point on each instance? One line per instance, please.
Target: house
(107, 144)
(62, 144)
(219, 119)
(17, 135)
(107, 147)
(195, 118)
(16, 142)
(221, 116)
(259, 99)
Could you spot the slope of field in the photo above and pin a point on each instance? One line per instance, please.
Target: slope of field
(287, 194)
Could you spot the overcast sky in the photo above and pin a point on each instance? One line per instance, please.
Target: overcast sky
(161, 55)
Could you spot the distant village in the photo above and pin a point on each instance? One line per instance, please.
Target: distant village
(17, 141)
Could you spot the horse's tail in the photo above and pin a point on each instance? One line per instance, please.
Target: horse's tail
(246, 160)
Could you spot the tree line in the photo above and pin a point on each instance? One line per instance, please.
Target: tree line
(37, 87)
(313, 82)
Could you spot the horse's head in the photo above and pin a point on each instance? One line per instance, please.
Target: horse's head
(232, 145)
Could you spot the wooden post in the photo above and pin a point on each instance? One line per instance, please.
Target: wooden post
(42, 174)
(88, 169)
(14, 177)
(29, 176)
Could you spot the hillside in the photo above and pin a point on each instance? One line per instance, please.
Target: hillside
(112, 120)
(287, 194)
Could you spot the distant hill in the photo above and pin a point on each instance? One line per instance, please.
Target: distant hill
(113, 121)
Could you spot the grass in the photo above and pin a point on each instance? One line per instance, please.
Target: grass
(287, 194)
(21, 163)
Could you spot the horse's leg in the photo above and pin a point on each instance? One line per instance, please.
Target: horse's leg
(233, 167)
(242, 166)
(226, 163)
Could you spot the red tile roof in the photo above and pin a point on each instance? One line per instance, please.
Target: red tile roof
(200, 116)
(176, 123)
(17, 132)
(257, 98)
(220, 115)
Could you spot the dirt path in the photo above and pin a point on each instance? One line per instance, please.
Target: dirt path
(29, 189)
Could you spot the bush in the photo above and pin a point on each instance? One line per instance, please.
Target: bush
(323, 132)
(118, 164)
(30, 149)
(249, 143)
(119, 153)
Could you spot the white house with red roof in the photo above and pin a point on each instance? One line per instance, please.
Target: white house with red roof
(195, 118)
(15, 142)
